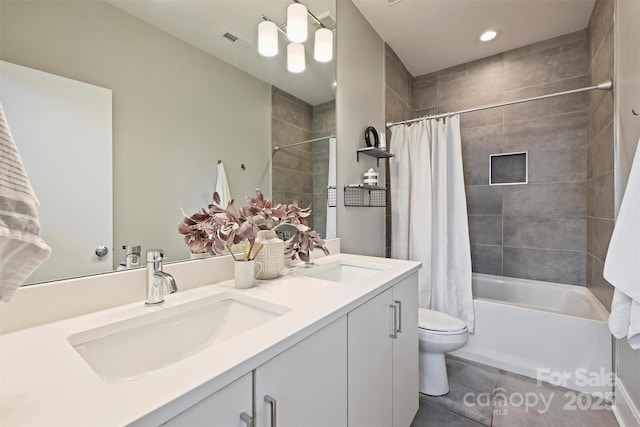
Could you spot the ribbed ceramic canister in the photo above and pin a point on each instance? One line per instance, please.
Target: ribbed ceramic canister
(271, 256)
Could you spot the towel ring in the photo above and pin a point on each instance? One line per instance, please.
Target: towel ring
(376, 139)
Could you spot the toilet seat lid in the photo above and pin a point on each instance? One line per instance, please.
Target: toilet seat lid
(437, 321)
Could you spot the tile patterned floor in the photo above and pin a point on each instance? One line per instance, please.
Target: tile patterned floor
(480, 395)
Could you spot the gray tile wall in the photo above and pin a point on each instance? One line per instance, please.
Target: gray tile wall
(398, 106)
(300, 173)
(535, 231)
(600, 150)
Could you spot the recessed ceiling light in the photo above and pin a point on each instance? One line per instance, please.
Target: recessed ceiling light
(488, 35)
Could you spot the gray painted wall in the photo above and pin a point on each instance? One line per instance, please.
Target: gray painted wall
(359, 103)
(176, 111)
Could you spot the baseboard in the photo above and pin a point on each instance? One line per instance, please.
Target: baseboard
(625, 410)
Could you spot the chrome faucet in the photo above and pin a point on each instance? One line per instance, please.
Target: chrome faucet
(156, 278)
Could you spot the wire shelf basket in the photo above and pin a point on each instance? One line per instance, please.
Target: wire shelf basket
(365, 195)
(331, 196)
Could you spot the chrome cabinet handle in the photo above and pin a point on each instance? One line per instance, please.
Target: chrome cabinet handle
(399, 330)
(248, 419)
(394, 334)
(272, 402)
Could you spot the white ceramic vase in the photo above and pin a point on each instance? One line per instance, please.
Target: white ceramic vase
(271, 256)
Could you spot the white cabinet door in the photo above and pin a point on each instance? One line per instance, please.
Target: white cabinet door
(221, 409)
(370, 361)
(307, 383)
(405, 353)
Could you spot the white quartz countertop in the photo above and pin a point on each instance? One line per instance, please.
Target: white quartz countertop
(44, 381)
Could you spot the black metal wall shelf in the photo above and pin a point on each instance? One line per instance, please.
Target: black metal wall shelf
(362, 195)
(373, 152)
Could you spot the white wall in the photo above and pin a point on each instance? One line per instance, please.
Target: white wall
(359, 103)
(176, 111)
(627, 84)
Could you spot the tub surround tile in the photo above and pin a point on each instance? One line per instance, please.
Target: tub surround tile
(396, 108)
(597, 284)
(486, 259)
(548, 265)
(600, 112)
(566, 131)
(485, 229)
(600, 22)
(546, 107)
(288, 158)
(600, 153)
(482, 140)
(602, 65)
(283, 133)
(548, 61)
(484, 199)
(554, 131)
(566, 233)
(415, 114)
(425, 93)
(491, 116)
(478, 82)
(600, 197)
(476, 170)
(558, 199)
(601, 231)
(286, 180)
(558, 165)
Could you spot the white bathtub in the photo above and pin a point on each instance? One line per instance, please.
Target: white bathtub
(558, 332)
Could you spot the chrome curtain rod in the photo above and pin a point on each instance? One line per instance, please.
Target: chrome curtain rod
(277, 147)
(606, 85)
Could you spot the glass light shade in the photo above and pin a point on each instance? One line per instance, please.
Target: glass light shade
(267, 38)
(295, 57)
(297, 26)
(323, 45)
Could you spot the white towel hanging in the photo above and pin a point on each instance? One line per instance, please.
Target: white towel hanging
(622, 266)
(21, 248)
(222, 186)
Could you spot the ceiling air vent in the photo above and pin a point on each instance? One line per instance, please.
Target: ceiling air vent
(391, 2)
(327, 20)
(235, 40)
(230, 37)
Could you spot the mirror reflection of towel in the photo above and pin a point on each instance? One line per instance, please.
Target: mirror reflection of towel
(21, 248)
(222, 186)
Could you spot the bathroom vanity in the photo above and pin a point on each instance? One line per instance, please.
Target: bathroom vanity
(332, 344)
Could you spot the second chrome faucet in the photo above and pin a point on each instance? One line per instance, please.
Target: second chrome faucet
(157, 279)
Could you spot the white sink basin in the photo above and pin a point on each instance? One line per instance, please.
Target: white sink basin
(344, 272)
(129, 349)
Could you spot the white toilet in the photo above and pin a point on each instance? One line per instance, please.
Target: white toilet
(438, 333)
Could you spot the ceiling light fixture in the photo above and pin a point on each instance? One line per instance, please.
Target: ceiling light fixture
(297, 28)
(267, 38)
(295, 57)
(323, 45)
(488, 35)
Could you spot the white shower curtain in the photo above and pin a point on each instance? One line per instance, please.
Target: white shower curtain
(429, 213)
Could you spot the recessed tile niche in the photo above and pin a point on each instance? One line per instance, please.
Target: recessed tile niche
(508, 168)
